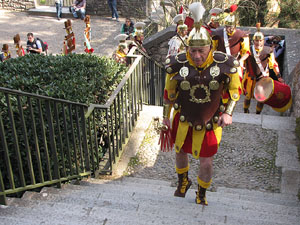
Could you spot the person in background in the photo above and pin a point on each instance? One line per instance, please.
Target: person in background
(58, 5)
(278, 46)
(34, 46)
(113, 7)
(120, 54)
(215, 18)
(19, 48)
(178, 42)
(5, 54)
(78, 9)
(261, 59)
(128, 28)
(138, 36)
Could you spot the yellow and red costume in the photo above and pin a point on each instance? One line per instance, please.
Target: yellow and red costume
(119, 56)
(268, 61)
(254, 73)
(198, 105)
(239, 46)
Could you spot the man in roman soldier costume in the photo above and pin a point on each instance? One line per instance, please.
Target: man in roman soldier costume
(120, 54)
(231, 40)
(178, 42)
(215, 18)
(195, 81)
(138, 36)
(260, 60)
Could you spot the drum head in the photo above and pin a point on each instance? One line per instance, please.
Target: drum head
(263, 89)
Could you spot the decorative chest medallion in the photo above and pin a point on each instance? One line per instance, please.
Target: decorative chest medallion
(184, 72)
(185, 85)
(214, 85)
(214, 72)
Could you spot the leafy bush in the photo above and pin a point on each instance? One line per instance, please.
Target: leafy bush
(80, 78)
(289, 14)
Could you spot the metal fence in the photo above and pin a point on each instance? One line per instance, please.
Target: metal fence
(47, 141)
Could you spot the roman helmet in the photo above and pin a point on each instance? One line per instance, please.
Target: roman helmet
(230, 20)
(258, 34)
(215, 14)
(198, 36)
(121, 38)
(179, 20)
(139, 26)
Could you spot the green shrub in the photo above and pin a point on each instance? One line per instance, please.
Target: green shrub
(289, 14)
(80, 78)
(75, 77)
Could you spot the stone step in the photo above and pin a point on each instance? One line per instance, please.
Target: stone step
(49, 11)
(246, 194)
(121, 196)
(160, 186)
(5, 220)
(81, 213)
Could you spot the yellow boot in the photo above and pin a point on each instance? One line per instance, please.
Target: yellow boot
(201, 193)
(184, 183)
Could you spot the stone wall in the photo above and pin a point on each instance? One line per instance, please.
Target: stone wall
(157, 45)
(296, 91)
(126, 8)
(18, 5)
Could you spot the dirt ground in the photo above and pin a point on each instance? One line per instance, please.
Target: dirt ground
(52, 31)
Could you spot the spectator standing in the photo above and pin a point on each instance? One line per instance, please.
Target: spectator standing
(58, 5)
(113, 7)
(33, 45)
(78, 9)
(128, 28)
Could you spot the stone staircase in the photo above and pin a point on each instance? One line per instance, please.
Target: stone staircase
(144, 201)
(129, 200)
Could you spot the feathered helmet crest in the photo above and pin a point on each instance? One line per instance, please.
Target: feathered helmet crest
(198, 36)
(121, 38)
(179, 20)
(258, 34)
(230, 20)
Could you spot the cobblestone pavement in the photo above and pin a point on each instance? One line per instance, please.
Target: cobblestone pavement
(239, 163)
(52, 31)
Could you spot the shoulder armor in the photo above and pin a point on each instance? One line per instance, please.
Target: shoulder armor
(217, 33)
(241, 33)
(174, 63)
(267, 50)
(227, 62)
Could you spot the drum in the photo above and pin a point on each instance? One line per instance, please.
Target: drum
(273, 93)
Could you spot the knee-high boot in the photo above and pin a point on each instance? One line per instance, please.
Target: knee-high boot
(246, 105)
(201, 193)
(184, 183)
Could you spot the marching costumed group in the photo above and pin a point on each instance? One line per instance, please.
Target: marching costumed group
(204, 80)
(132, 35)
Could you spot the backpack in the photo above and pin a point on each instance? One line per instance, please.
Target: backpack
(44, 44)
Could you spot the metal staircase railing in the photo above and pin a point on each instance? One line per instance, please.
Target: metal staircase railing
(47, 141)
